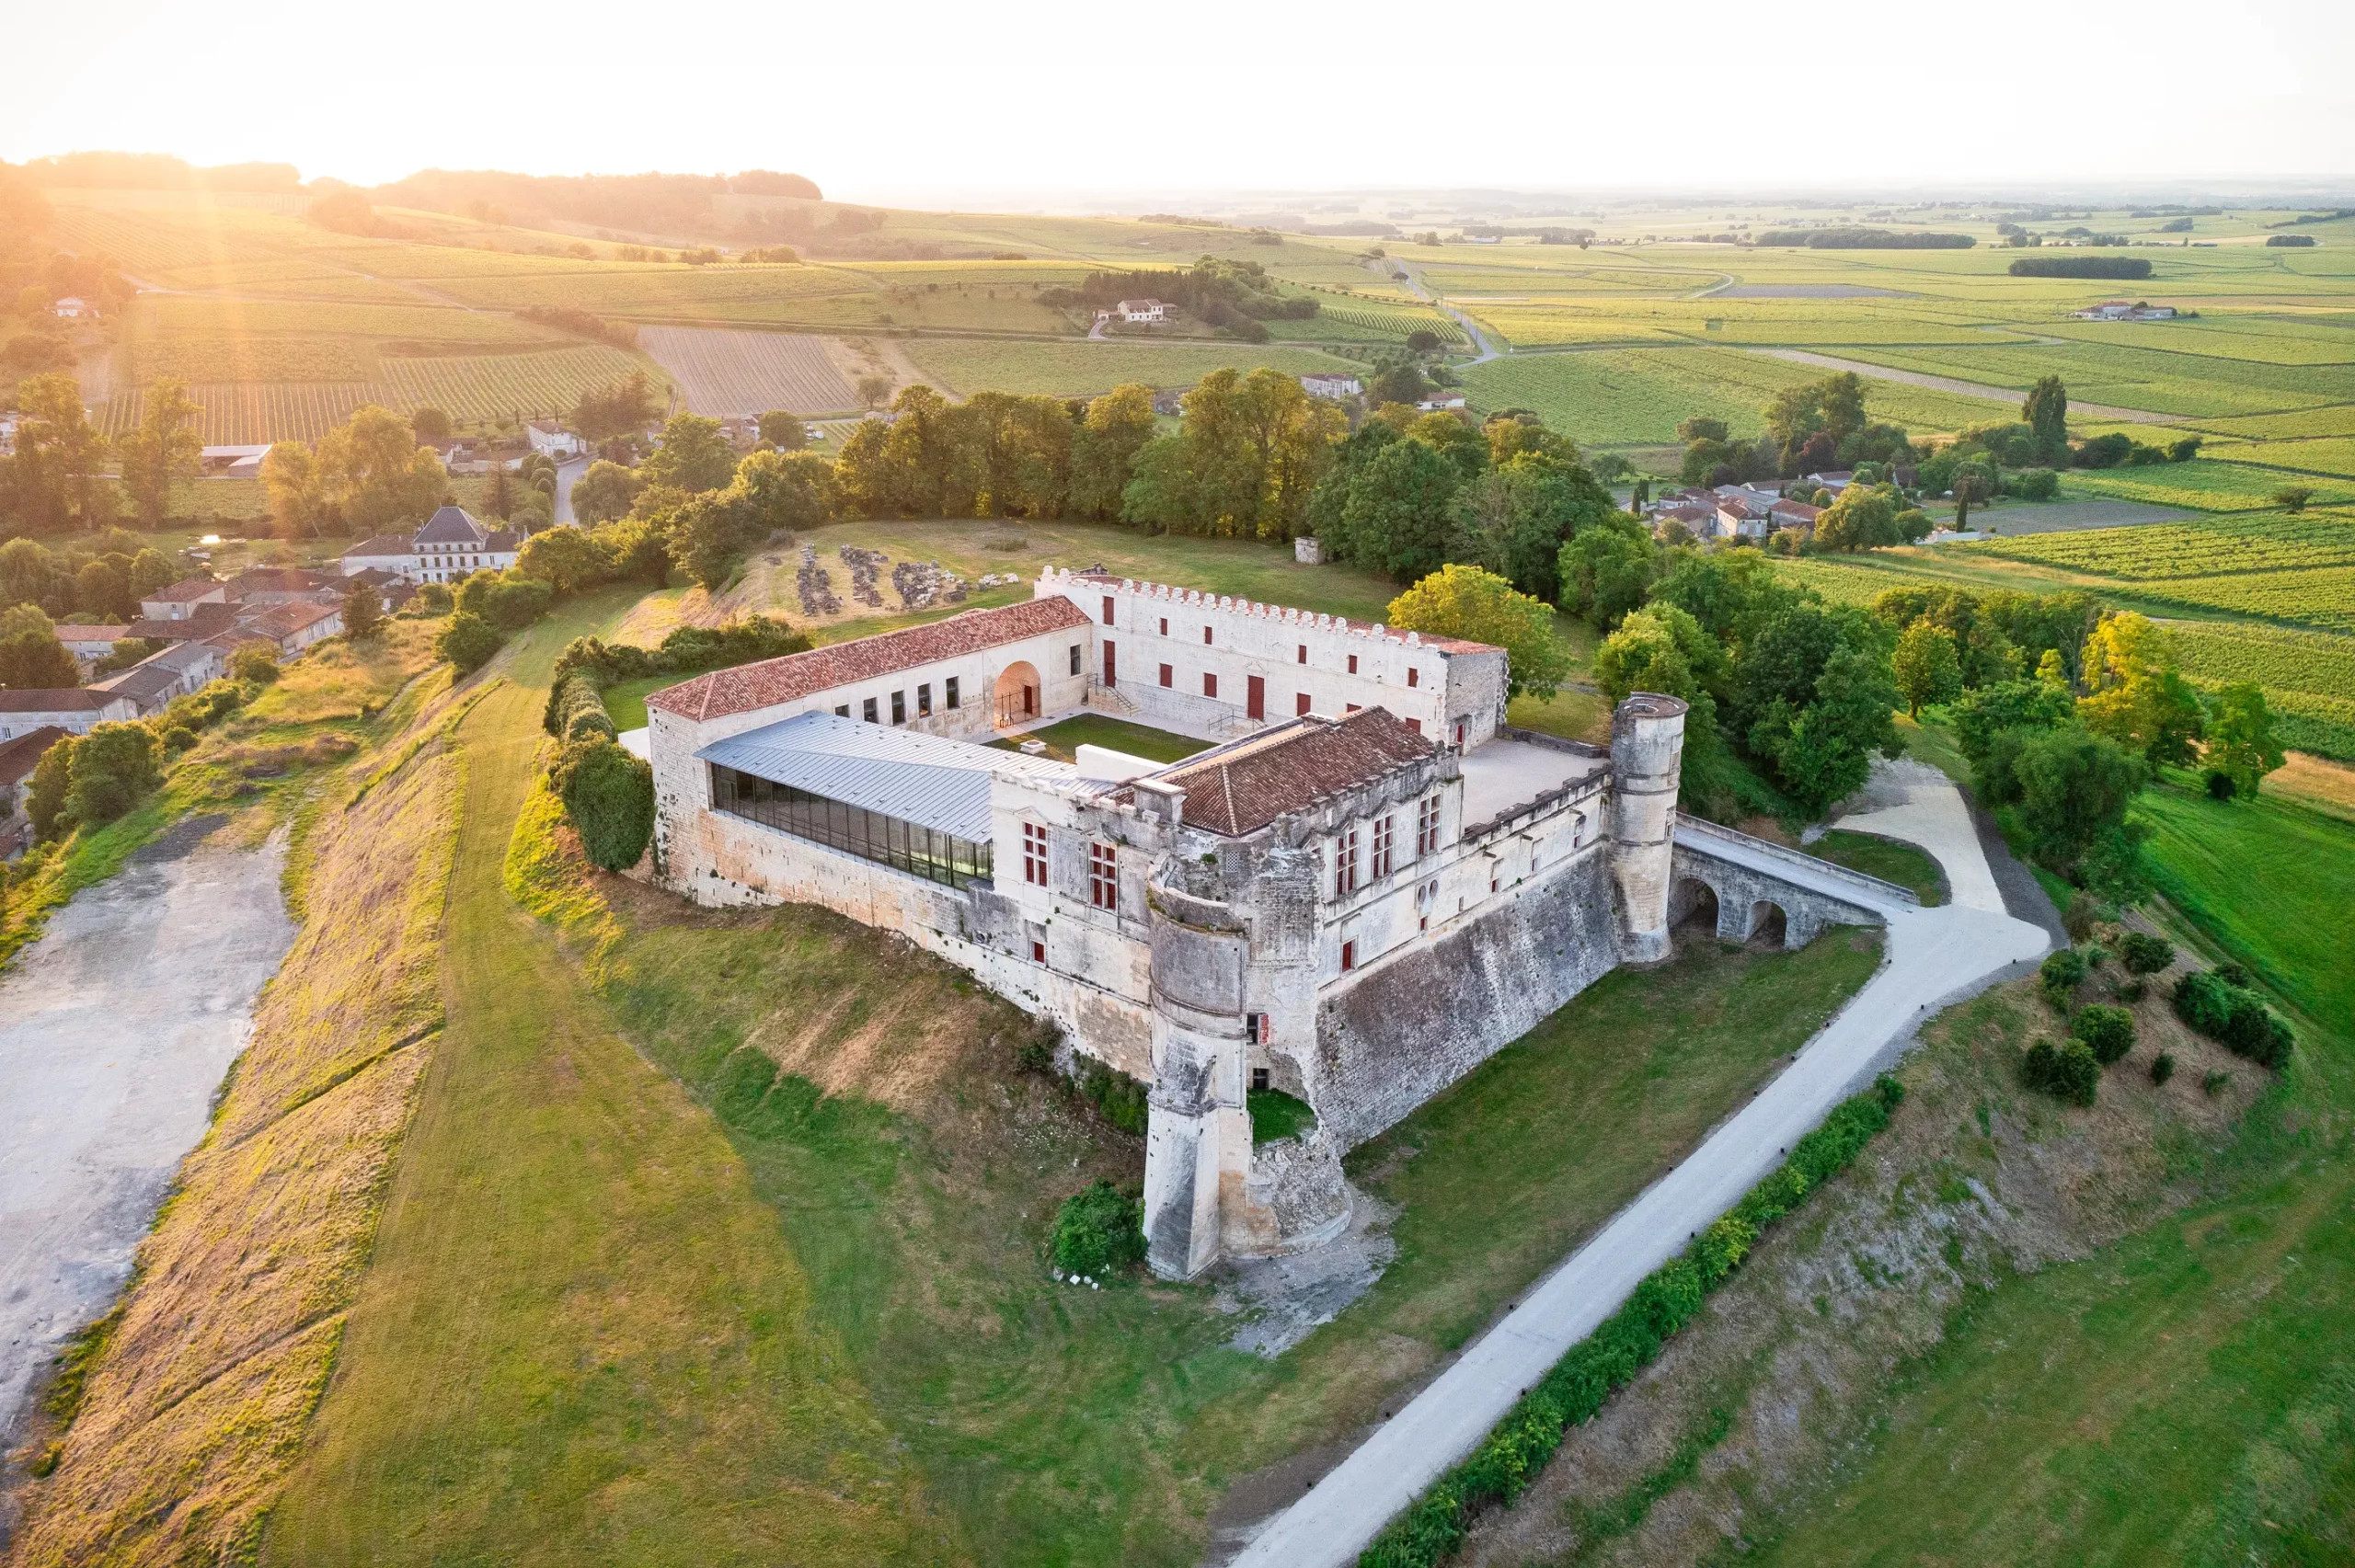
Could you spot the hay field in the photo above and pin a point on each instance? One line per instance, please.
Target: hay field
(724, 372)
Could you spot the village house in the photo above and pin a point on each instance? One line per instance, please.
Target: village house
(1742, 514)
(18, 758)
(73, 307)
(1331, 383)
(1439, 398)
(167, 673)
(1795, 515)
(450, 545)
(73, 709)
(232, 461)
(180, 600)
(2121, 310)
(90, 644)
(1137, 311)
(551, 440)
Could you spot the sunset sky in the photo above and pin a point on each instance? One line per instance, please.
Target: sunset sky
(921, 101)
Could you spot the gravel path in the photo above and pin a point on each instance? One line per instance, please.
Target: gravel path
(1934, 956)
(115, 1029)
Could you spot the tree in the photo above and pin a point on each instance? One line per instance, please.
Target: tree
(2072, 786)
(298, 501)
(1662, 648)
(1481, 607)
(164, 448)
(1972, 482)
(1422, 341)
(1605, 571)
(2134, 694)
(620, 407)
(430, 425)
(2294, 497)
(1864, 518)
(467, 642)
(30, 655)
(54, 485)
(1517, 516)
(1400, 511)
(1702, 428)
(782, 431)
(364, 614)
(604, 492)
(693, 455)
(375, 475)
(2240, 740)
(112, 767)
(874, 391)
(1926, 668)
(2046, 412)
(1822, 750)
(45, 794)
(255, 663)
(499, 500)
(1401, 381)
(1104, 449)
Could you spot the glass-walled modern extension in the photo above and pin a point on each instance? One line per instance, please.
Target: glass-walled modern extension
(888, 841)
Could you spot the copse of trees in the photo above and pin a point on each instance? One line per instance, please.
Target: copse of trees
(366, 475)
(2080, 267)
(102, 576)
(1236, 297)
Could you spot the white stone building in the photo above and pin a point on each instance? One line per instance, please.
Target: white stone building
(452, 545)
(73, 709)
(1364, 887)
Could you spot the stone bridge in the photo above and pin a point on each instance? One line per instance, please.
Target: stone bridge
(1758, 885)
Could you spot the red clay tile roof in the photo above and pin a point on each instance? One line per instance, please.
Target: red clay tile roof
(18, 755)
(54, 699)
(285, 620)
(201, 621)
(1242, 787)
(775, 681)
(68, 632)
(185, 590)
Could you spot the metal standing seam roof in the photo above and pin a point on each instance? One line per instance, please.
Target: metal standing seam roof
(926, 779)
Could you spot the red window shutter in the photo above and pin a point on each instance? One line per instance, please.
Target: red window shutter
(1111, 670)
(1210, 684)
(1414, 676)
(1255, 702)
(1349, 956)
(1166, 676)
(1107, 608)
(1416, 725)
(1302, 707)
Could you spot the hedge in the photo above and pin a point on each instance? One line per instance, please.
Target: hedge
(576, 710)
(2081, 267)
(2212, 1003)
(1587, 1374)
(609, 795)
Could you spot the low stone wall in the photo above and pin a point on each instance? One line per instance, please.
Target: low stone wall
(1416, 1025)
(1742, 895)
(1294, 1197)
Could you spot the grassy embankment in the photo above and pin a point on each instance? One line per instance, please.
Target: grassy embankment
(1923, 1373)
(580, 1338)
(187, 1402)
(260, 765)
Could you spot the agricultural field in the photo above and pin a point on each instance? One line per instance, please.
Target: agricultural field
(1083, 370)
(2202, 484)
(2330, 454)
(2164, 382)
(491, 386)
(722, 372)
(2323, 597)
(245, 414)
(209, 358)
(1629, 396)
(2203, 547)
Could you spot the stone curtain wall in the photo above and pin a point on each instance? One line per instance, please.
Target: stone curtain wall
(1412, 1027)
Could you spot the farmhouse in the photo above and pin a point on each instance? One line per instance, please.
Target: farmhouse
(90, 644)
(451, 544)
(552, 440)
(2123, 309)
(1441, 397)
(73, 709)
(1362, 887)
(232, 461)
(1137, 311)
(73, 307)
(1331, 383)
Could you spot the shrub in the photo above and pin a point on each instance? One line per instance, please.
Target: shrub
(2221, 785)
(468, 642)
(609, 795)
(2215, 1081)
(2162, 1067)
(253, 665)
(576, 711)
(1098, 1230)
(2067, 1071)
(176, 737)
(2132, 991)
(2145, 954)
(2222, 1008)
(2063, 972)
(1120, 1098)
(2108, 1032)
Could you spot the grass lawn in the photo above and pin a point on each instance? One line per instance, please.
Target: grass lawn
(1064, 740)
(1886, 859)
(580, 1339)
(2183, 1396)
(626, 700)
(912, 1167)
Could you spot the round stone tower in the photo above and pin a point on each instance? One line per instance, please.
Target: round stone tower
(1646, 750)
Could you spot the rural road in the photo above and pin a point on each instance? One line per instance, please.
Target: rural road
(1479, 339)
(1934, 956)
(1967, 388)
(115, 1029)
(566, 472)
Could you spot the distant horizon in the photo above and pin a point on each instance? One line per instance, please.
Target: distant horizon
(955, 107)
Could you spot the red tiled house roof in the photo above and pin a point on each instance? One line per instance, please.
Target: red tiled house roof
(774, 681)
(1241, 788)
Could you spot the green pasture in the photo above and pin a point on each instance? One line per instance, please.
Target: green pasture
(2184, 1395)
(1084, 370)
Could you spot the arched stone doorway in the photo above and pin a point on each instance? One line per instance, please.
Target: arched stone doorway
(1017, 696)
(1769, 927)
